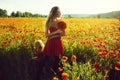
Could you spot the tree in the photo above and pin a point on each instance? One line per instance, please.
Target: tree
(37, 15)
(27, 14)
(13, 14)
(3, 13)
(69, 16)
(18, 14)
(98, 16)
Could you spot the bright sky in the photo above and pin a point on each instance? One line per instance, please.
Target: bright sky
(66, 6)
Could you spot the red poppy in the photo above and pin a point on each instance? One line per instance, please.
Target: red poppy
(77, 78)
(117, 66)
(4, 43)
(64, 75)
(60, 69)
(73, 58)
(55, 78)
(118, 55)
(66, 79)
(97, 66)
(113, 56)
(119, 50)
(61, 25)
(102, 54)
(64, 58)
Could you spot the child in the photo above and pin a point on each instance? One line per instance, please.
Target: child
(37, 62)
(39, 46)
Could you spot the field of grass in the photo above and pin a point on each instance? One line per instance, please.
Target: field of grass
(92, 48)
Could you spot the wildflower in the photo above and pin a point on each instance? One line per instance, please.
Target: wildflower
(60, 69)
(118, 55)
(4, 43)
(119, 50)
(113, 56)
(117, 66)
(103, 53)
(64, 75)
(97, 66)
(73, 58)
(7, 39)
(55, 78)
(64, 58)
(77, 78)
(114, 45)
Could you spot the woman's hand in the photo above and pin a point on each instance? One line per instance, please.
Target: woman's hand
(63, 33)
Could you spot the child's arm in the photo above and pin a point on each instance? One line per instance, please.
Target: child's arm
(34, 57)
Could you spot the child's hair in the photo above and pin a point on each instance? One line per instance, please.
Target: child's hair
(38, 44)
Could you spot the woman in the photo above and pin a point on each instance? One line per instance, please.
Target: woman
(53, 47)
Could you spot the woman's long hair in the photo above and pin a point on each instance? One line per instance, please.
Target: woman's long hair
(51, 16)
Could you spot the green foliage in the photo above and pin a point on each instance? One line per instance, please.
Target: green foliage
(87, 72)
(83, 52)
(3, 13)
(25, 14)
(84, 71)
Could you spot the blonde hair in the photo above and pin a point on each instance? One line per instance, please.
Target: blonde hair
(51, 16)
(38, 44)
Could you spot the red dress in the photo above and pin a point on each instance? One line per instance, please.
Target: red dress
(53, 46)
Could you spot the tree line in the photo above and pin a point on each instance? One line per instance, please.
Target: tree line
(3, 13)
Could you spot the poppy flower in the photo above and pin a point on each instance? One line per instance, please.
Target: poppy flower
(119, 50)
(64, 75)
(55, 78)
(117, 66)
(61, 25)
(73, 58)
(60, 69)
(4, 43)
(102, 54)
(77, 78)
(97, 66)
(113, 56)
(64, 58)
(118, 55)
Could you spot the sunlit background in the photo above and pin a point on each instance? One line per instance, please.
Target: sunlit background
(66, 6)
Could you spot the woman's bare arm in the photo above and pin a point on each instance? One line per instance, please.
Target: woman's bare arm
(47, 34)
(58, 35)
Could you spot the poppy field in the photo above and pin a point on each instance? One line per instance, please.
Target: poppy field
(92, 48)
